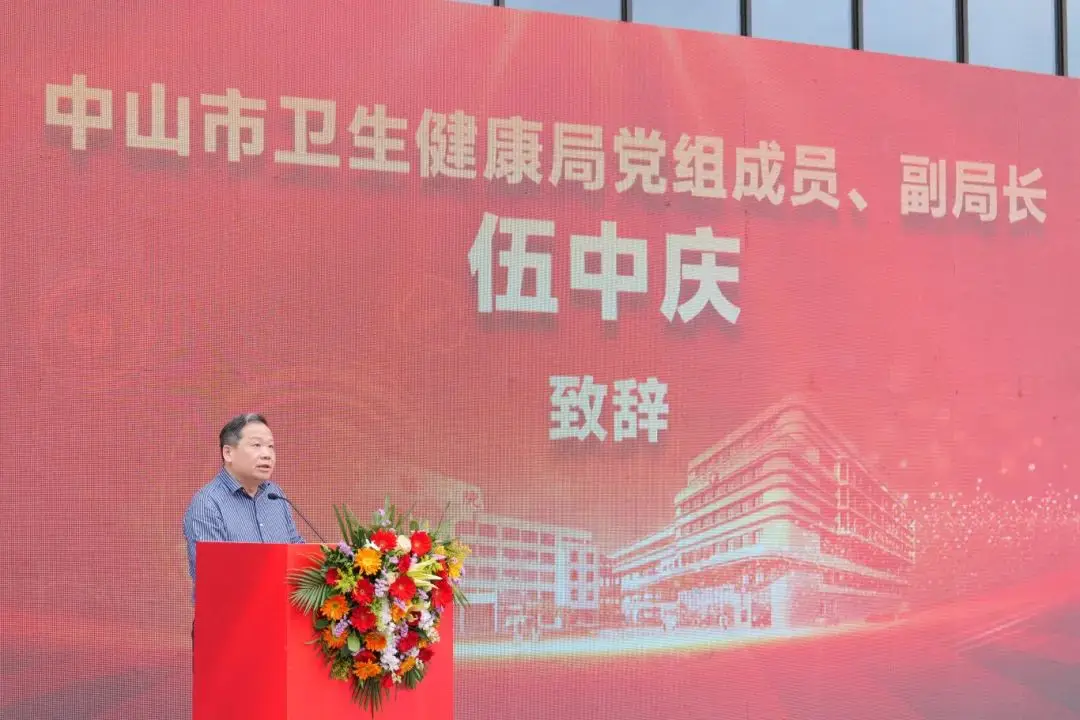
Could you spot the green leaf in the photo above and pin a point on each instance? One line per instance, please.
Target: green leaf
(353, 642)
(311, 590)
(442, 518)
(346, 524)
(412, 678)
(341, 524)
(368, 694)
(340, 669)
(322, 623)
(352, 525)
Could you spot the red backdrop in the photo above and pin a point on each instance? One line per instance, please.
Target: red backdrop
(147, 295)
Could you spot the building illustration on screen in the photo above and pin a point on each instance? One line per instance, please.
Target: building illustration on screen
(780, 525)
(524, 579)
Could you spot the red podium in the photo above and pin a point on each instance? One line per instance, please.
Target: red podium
(252, 659)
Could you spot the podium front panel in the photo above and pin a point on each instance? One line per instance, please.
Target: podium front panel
(252, 657)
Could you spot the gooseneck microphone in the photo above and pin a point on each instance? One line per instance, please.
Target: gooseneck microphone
(275, 496)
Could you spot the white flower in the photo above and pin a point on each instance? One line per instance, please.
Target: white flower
(390, 660)
(404, 544)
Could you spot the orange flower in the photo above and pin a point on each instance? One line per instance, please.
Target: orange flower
(365, 670)
(397, 613)
(406, 665)
(335, 607)
(369, 560)
(374, 641)
(331, 641)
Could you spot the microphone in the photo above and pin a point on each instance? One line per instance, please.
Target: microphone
(275, 496)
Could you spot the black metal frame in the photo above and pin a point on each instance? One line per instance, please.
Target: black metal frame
(1061, 35)
(857, 24)
(961, 31)
(1061, 20)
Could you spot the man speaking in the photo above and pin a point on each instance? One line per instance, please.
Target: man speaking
(241, 504)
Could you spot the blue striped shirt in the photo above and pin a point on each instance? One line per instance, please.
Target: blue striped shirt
(223, 511)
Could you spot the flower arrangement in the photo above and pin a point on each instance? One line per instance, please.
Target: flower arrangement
(376, 600)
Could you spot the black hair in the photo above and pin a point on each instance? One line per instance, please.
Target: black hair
(230, 434)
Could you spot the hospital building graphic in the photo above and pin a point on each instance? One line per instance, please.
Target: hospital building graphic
(780, 525)
(525, 579)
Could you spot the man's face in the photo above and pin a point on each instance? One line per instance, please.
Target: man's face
(251, 461)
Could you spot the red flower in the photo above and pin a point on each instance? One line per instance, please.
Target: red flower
(403, 588)
(385, 540)
(408, 642)
(442, 594)
(388, 681)
(426, 654)
(403, 564)
(421, 543)
(365, 656)
(362, 619)
(332, 576)
(364, 592)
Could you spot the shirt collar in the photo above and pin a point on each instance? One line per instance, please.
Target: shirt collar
(233, 485)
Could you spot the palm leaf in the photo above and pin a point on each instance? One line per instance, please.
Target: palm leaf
(346, 524)
(438, 531)
(356, 531)
(341, 525)
(310, 590)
